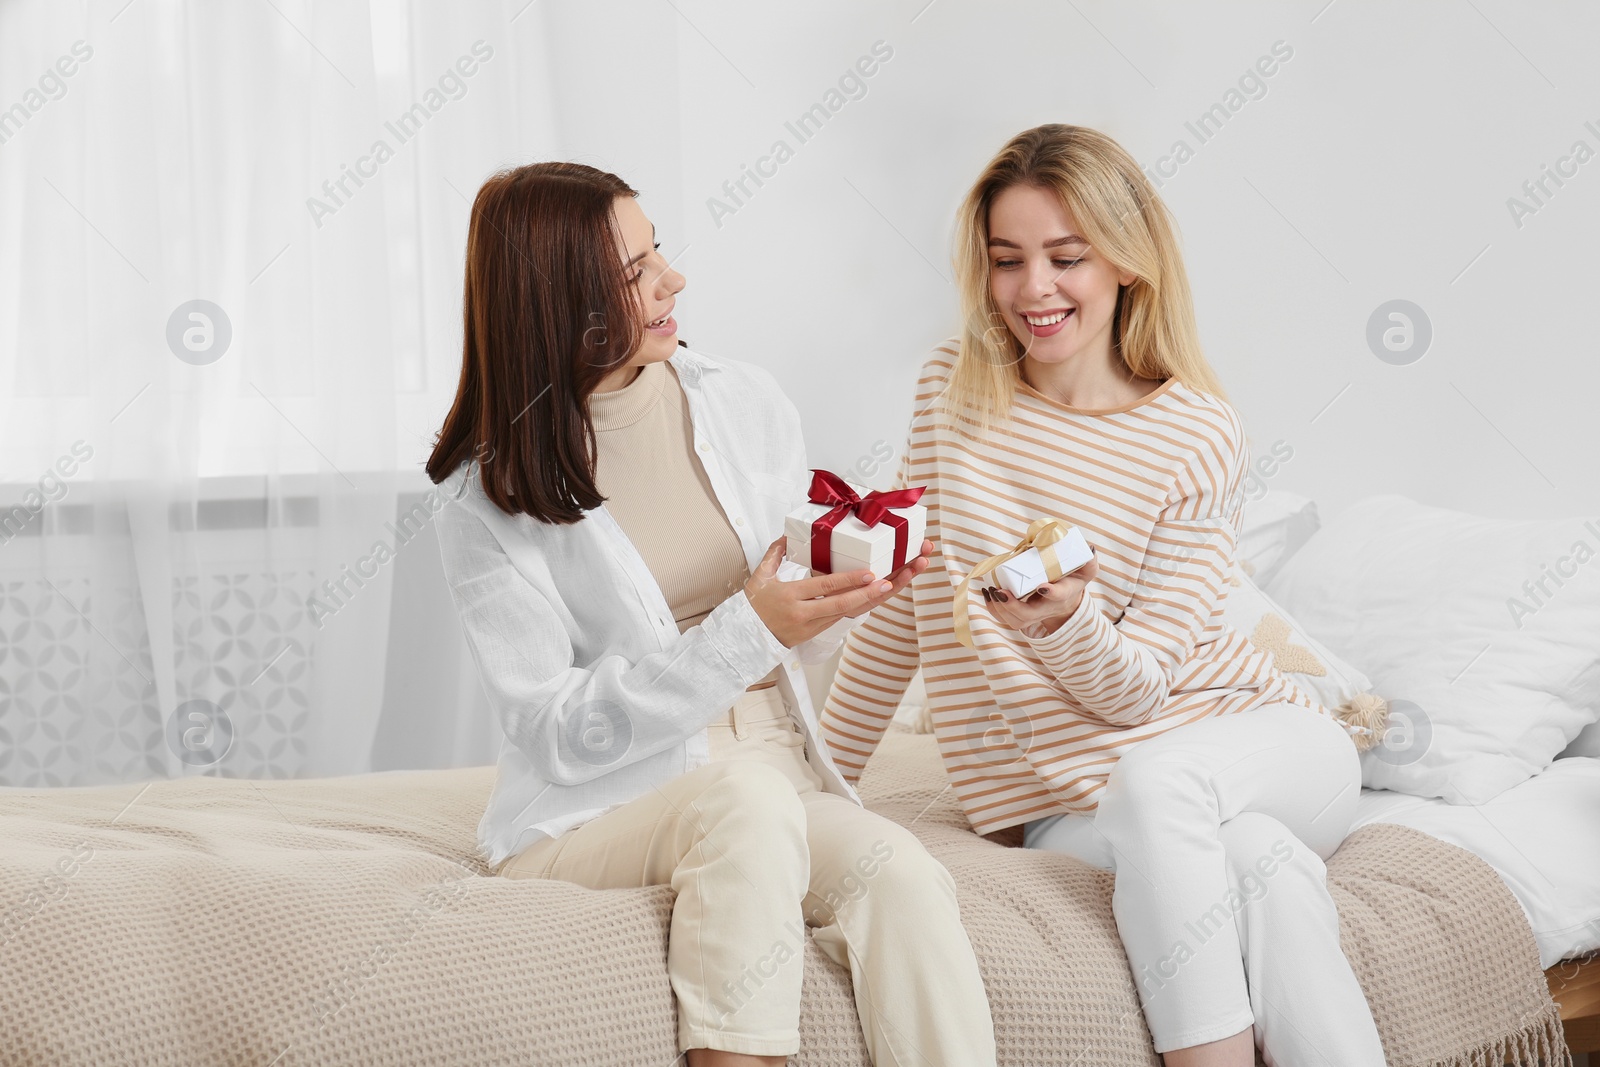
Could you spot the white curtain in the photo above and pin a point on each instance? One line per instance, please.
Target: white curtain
(165, 521)
(229, 325)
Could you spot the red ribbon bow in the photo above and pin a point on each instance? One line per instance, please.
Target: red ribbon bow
(872, 509)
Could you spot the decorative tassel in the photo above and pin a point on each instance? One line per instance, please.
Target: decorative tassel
(1542, 1043)
(1365, 716)
(922, 721)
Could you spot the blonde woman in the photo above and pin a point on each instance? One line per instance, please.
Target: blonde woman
(614, 548)
(1113, 714)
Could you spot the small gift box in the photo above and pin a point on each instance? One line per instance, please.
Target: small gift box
(840, 529)
(1049, 550)
(1023, 574)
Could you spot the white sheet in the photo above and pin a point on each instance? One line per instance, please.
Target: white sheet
(1542, 837)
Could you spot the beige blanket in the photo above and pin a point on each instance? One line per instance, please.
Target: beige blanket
(347, 920)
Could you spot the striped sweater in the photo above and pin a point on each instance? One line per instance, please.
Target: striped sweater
(1032, 727)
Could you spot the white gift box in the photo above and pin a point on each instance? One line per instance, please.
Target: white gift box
(854, 544)
(1024, 573)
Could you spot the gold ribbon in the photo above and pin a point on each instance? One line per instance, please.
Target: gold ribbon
(1042, 535)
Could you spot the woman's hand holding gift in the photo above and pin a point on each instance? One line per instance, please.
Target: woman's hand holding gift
(797, 611)
(1044, 610)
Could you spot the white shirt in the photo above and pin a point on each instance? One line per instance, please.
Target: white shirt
(599, 695)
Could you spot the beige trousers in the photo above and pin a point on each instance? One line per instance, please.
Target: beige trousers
(757, 852)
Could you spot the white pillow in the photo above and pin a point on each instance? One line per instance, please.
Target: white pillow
(1302, 659)
(1587, 743)
(1487, 678)
(1273, 529)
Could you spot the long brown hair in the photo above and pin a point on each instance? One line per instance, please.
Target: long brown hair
(1117, 209)
(547, 313)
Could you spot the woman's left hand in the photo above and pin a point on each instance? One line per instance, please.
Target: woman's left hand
(1044, 610)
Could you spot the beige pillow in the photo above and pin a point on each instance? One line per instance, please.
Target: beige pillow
(1333, 683)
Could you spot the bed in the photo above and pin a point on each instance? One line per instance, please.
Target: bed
(1543, 840)
(349, 920)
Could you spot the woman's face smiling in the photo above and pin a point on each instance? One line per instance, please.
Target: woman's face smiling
(1056, 294)
(655, 283)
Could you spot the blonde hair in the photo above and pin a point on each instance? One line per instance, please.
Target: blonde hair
(1118, 212)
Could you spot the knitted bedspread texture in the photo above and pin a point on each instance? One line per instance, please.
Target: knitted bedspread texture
(349, 920)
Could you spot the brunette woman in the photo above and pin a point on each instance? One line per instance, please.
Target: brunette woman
(615, 551)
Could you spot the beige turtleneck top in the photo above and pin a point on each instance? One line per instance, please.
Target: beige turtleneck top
(659, 494)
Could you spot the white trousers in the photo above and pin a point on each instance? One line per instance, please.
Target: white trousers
(1217, 831)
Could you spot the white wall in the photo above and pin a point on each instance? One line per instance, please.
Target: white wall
(1377, 166)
